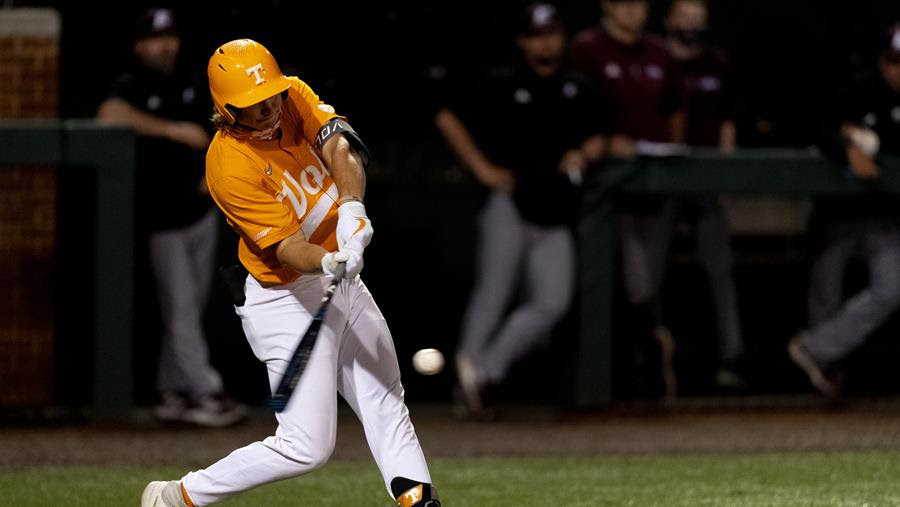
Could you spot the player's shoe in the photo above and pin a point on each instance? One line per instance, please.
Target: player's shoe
(164, 494)
(471, 382)
(410, 494)
(216, 411)
(171, 407)
(802, 358)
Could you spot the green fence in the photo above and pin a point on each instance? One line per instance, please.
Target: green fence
(107, 154)
(757, 171)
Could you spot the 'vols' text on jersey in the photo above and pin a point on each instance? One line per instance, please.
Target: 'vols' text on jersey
(270, 189)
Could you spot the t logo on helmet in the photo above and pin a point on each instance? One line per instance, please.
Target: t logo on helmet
(255, 71)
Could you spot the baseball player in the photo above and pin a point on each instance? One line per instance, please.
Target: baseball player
(864, 124)
(640, 83)
(166, 108)
(288, 173)
(710, 106)
(525, 237)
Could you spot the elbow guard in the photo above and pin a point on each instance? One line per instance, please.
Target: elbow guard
(339, 126)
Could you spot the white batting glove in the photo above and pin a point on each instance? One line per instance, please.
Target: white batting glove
(352, 259)
(354, 229)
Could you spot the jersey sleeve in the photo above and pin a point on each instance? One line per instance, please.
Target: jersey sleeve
(310, 112)
(255, 211)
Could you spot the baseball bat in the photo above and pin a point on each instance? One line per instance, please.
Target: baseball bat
(304, 349)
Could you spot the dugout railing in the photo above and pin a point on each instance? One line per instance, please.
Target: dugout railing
(798, 172)
(103, 158)
(107, 156)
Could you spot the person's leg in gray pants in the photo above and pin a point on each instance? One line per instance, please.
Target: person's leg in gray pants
(501, 250)
(549, 280)
(508, 249)
(714, 252)
(182, 262)
(864, 312)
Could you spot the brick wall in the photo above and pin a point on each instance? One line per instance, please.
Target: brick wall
(29, 88)
(29, 63)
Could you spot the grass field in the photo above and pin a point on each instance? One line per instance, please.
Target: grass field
(810, 479)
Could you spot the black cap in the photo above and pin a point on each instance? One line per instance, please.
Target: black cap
(891, 46)
(155, 22)
(540, 17)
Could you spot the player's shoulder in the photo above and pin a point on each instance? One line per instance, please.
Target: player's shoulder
(227, 156)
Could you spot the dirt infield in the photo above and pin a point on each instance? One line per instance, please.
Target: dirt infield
(687, 427)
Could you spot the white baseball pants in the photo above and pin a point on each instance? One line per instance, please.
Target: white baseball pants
(354, 356)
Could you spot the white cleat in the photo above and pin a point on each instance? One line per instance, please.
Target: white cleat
(163, 494)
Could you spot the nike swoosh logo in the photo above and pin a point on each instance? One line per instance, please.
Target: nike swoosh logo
(362, 225)
(269, 170)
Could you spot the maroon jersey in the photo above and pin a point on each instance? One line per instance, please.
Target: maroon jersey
(640, 82)
(709, 97)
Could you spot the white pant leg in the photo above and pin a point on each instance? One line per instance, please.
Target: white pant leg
(274, 320)
(369, 379)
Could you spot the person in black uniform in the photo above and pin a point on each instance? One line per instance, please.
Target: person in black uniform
(527, 134)
(865, 124)
(167, 109)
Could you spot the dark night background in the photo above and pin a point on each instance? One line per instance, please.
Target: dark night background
(374, 61)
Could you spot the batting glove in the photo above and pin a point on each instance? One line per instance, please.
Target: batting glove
(352, 259)
(354, 229)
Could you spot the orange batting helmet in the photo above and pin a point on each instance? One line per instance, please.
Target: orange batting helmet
(241, 73)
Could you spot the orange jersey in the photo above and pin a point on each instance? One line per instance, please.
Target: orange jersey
(269, 190)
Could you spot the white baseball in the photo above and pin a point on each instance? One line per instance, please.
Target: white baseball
(428, 361)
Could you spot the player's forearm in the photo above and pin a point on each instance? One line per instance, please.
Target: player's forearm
(346, 168)
(120, 112)
(727, 137)
(677, 127)
(300, 255)
(460, 141)
(594, 147)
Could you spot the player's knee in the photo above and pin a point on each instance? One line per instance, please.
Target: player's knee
(410, 493)
(551, 309)
(306, 454)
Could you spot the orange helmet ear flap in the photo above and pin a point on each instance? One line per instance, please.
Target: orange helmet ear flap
(241, 73)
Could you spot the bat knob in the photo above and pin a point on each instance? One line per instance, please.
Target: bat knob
(278, 403)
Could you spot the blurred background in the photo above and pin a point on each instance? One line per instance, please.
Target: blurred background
(380, 64)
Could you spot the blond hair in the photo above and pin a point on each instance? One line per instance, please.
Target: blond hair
(219, 121)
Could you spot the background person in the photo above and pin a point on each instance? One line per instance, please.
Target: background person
(521, 132)
(709, 110)
(638, 81)
(166, 107)
(865, 124)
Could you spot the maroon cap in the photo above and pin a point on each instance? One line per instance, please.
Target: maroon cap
(155, 22)
(540, 17)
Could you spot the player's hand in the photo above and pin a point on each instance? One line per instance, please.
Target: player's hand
(351, 258)
(573, 165)
(354, 229)
(862, 165)
(622, 147)
(496, 178)
(188, 134)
